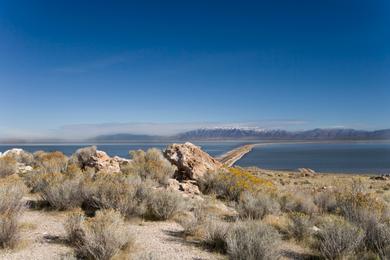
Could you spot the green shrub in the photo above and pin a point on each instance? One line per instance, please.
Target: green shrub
(253, 241)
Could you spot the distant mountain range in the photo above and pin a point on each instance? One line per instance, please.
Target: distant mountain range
(209, 134)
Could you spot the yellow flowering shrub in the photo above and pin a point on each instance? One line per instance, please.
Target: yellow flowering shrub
(230, 183)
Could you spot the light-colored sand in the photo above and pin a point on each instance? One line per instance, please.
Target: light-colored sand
(43, 234)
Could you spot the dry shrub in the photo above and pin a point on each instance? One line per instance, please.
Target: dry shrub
(215, 235)
(74, 227)
(126, 194)
(150, 165)
(8, 166)
(299, 226)
(231, 183)
(193, 222)
(101, 237)
(12, 191)
(257, 206)
(326, 201)
(9, 230)
(377, 238)
(53, 162)
(337, 238)
(163, 204)
(298, 203)
(83, 155)
(252, 241)
(63, 193)
(358, 207)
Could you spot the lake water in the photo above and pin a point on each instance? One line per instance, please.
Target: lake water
(362, 157)
(370, 157)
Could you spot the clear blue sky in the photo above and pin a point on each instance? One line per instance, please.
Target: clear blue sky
(302, 63)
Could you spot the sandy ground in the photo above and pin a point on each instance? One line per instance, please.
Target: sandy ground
(42, 237)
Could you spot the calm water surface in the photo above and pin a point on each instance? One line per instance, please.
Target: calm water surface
(370, 157)
(365, 157)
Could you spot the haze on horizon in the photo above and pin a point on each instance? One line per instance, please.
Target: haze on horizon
(75, 69)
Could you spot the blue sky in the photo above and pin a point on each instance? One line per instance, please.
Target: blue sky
(163, 65)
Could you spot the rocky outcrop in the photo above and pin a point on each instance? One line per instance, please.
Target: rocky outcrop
(99, 160)
(19, 155)
(187, 188)
(191, 161)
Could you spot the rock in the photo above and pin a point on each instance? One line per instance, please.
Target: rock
(306, 172)
(20, 156)
(173, 185)
(102, 162)
(191, 161)
(23, 169)
(89, 157)
(189, 187)
(121, 161)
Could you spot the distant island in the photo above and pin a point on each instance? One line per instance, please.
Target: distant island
(226, 134)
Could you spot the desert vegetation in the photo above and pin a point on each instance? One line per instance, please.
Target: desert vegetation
(238, 213)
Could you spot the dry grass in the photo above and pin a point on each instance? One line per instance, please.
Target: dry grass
(54, 162)
(8, 166)
(101, 237)
(12, 191)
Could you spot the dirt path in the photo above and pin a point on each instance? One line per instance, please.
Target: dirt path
(43, 232)
(231, 157)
